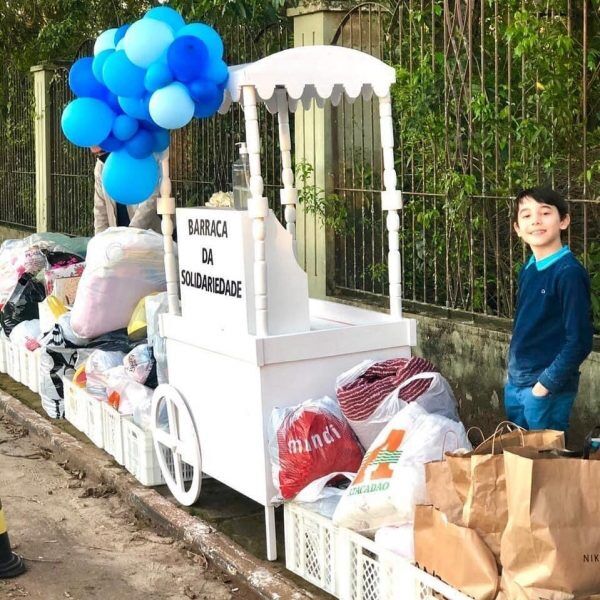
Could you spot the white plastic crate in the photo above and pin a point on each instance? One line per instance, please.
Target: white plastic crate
(14, 368)
(351, 566)
(3, 353)
(23, 355)
(93, 409)
(112, 432)
(311, 547)
(140, 458)
(75, 406)
(33, 369)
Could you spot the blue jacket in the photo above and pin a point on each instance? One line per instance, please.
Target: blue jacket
(553, 330)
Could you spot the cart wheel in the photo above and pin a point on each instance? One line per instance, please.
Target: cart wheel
(176, 444)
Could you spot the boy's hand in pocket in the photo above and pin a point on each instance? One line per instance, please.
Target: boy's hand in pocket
(539, 390)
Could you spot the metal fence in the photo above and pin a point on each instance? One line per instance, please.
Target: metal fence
(201, 154)
(17, 149)
(490, 97)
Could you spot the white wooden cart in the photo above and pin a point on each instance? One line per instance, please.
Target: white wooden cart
(246, 338)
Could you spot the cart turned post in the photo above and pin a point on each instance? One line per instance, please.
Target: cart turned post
(288, 194)
(391, 201)
(166, 208)
(258, 208)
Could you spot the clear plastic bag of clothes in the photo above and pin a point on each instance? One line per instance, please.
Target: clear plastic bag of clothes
(18, 257)
(155, 306)
(123, 265)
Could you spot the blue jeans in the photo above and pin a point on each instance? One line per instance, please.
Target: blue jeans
(534, 412)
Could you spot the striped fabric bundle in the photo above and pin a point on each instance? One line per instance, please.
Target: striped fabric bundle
(360, 397)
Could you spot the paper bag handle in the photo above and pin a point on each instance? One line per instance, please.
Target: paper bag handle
(444, 442)
(492, 437)
(478, 429)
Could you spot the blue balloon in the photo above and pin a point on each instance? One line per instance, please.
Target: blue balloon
(218, 72)
(111, 144)
(150, 125)
(87, 121)
(98, 64)
(141, 144)
(113, 102)
(161, 140)
(187, 57)
(124, 127)
(134, 107)
(171, 107)
(129, 180)
(203, 90)
(158, 75)
(146, 40)
(105, 41)
(82, 80)
(209, 108)
(167, 15)
(120, 33)
(122, 77)
(212, 40)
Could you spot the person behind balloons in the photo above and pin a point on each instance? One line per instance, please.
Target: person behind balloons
(108, 213)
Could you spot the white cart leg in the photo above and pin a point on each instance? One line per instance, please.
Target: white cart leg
(271, 533)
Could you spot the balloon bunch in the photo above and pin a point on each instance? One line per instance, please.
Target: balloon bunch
(144, 80)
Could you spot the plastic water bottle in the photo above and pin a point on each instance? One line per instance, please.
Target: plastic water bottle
(240, 177)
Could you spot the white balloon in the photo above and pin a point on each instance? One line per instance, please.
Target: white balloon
(105, 41)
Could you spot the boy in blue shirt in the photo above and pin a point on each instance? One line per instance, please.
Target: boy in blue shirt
(552, 330)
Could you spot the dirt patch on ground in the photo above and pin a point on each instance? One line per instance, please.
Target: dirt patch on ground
(80, 542)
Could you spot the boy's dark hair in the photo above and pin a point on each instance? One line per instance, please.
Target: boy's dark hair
(543, 196)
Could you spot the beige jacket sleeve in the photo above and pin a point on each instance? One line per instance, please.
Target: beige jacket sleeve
(101, 218)
(145, 215)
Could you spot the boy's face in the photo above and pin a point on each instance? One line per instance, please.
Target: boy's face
(539, 225)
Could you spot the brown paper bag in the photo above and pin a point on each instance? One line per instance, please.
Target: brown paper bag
(552, 539)
(441, 491)
(455, 554)
(479, 477)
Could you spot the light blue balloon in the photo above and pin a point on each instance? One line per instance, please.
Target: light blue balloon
(146, 40)
(129, 180)
(98, 64)
(141, 144)
(105, 41)
(134, 107)
(212, 40)
(158, 75)
(125, 127)
(87, 122)
(122, 77)
(171, 107)
(161, 140)
(167, 15)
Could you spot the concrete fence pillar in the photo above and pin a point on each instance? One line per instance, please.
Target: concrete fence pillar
(315, 25)
(42, 75)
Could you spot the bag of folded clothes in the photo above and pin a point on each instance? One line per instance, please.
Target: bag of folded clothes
(371, 393)
(123, 265)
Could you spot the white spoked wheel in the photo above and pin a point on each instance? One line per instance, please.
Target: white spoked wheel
(176, 444)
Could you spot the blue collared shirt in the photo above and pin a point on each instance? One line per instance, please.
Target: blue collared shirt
(553, 330)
